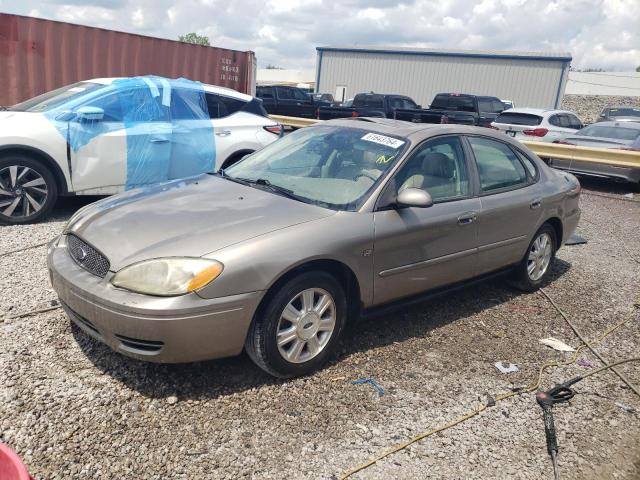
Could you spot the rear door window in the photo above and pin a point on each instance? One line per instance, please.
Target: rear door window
(284, 93)
(498, 166)
(264, 92)
(453, 102)
(369, 100)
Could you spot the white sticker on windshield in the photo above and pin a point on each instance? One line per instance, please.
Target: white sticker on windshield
(383, 140)
(77, 89)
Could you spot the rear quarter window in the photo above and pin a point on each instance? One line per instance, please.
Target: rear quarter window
(512, 118)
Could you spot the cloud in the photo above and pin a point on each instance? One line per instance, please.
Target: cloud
(598, 33)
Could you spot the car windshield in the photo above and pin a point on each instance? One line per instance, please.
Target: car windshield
(334, 167)
(623, 112)
(57, 97)
(617, 133)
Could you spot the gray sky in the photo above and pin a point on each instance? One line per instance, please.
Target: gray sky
(598, 33)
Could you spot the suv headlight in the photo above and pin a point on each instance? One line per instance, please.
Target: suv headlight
(168, 277)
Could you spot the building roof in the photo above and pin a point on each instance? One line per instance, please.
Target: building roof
(448, 52)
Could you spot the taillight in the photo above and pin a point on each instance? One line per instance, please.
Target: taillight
(354, 114)
(536, 132)
(275, 129)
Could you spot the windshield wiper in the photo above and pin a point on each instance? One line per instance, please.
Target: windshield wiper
(263, 182)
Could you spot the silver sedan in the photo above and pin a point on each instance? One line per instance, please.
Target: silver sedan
(279, 252)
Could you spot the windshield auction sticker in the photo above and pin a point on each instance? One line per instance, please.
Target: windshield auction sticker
(383, 140)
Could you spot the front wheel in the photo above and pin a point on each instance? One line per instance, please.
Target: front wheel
(299, 327)
(535, 268)
(28, 190)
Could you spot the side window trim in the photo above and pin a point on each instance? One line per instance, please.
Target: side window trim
(480, 192)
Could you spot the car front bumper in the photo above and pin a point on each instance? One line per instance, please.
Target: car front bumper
(179, 329)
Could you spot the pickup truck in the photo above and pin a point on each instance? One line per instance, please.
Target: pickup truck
(456, 108)
(369, 105)
(289, 101)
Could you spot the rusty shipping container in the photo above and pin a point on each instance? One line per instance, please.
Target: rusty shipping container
(39, 55)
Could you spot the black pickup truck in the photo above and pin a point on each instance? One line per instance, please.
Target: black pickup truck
(289, 101)
(369, 105)
(457, 108)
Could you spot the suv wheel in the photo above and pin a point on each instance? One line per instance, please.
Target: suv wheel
(299, 327)
(28, 190)
(534, 269)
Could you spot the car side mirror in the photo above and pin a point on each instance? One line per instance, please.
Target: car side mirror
(414, 197)
(86, 114)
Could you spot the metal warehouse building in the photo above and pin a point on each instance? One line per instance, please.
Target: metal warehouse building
(530, 79)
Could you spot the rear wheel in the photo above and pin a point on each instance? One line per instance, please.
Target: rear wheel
(28, 190)
(299, 327)
(534, 269)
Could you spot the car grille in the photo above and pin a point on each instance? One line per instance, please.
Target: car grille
(87, 257)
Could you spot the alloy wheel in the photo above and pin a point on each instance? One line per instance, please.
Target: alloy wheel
(539, 256)
(23, 191)
(306, 325)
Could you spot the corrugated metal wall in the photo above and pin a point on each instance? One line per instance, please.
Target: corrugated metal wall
(39, 55)
(528, 82)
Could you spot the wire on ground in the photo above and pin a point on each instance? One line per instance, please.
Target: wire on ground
(530, 388)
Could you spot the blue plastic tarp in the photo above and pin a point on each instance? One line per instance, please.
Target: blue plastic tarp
(169, 134)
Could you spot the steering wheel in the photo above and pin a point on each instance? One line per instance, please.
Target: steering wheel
(364, 174)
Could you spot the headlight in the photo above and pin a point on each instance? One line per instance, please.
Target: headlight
(167, 277)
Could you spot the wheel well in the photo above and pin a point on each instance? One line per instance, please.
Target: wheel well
(234, 157)
(556, 223)
(338, 270)
(42, 157)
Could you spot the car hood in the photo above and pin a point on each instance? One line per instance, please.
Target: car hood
(189, 218)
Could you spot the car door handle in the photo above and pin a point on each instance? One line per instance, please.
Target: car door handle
(224, 133)
(536, 203)
(159, 140)
(467, 218)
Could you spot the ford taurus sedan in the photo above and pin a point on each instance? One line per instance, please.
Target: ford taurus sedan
(277, 253)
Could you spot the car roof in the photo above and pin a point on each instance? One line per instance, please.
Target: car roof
(229, 92)
(630, 125)
(414, 131)
(537, 111)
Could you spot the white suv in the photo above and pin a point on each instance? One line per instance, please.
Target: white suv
(107, 135)
(537, 124)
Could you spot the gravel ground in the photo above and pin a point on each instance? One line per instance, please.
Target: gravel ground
(588, 107)
(75, 410)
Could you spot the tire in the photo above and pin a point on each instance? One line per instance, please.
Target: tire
(281, 361)
(522, 277)
(28, 190)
